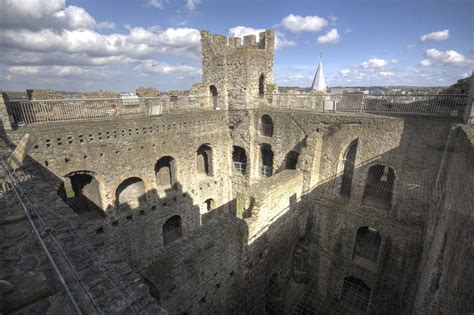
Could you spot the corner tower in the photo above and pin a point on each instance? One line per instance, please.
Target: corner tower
(238, 73)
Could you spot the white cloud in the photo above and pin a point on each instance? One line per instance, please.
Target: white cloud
(449, 57)
(280, 39)
(42, 14)
(106, 25)
(345, 72)
(297, 23)
(159, 4)
(426, 62)
(386, 73)
(191, 4)
(410, 46)
(61, 71)
(394, 60)
(49, 40)
(347, 31)
(156, 67)
(374, 63)
(73, 18)
(435, 36)
(332, 18)
(138, 43)
(332, 37)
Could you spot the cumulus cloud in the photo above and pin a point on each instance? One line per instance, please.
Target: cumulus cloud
(435, 36)
(332, 37)
(280, 39)
(374, 63)
(41, 14)
(48, 39)
(449, 57)
(386, 73)
(297, 23)
(191, 4)
(159, 4)
(61, 71)
(156, 67)
(345, 72)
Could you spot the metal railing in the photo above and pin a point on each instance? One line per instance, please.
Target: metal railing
(50, 111)
(240, 167)
(447, 105)
(436, 105)
(266, 170)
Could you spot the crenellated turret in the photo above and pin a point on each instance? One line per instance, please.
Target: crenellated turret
(237, 71)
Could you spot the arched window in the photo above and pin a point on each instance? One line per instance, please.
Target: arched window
(379, 186)
(266, 126)
(208, 204)
(214, 94)
(348, 171)
(261, 85)
(239, 159)
(367, 244)
(266, 159)
(355, 294)
(204, 160)
(165, 170)
(274, 295)
(292, 160)
(81, 192)
(130, 194)
(213, 90)
(172, 230)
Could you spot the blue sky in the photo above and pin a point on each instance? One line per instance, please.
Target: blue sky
(120, 45)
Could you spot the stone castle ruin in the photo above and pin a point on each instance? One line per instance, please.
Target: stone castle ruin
(236, 199)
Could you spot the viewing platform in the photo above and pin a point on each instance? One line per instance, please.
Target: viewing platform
(26, 112)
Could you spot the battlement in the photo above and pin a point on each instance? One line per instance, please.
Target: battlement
(224, 43)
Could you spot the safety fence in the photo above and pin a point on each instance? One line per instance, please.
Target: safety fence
(50, 111)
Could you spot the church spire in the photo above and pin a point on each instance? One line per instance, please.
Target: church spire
(319, 84)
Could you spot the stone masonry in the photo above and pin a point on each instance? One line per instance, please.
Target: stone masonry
(241, 210)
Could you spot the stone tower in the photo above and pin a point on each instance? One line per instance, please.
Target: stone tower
(235, 73)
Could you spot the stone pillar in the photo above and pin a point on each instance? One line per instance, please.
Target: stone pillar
(4, 113)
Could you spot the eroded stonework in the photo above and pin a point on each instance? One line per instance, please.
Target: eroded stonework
(242, 210)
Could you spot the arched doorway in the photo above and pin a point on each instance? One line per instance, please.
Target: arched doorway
(130, 194)
(172, 230)
(81, 191)
(214, 94)
(379, 186)
(292, 160)
(204, 160)
(239, 160)
(348, 172)
(165, 172)
(266, 126)
(266, 160)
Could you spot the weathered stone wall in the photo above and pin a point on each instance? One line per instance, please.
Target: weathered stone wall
(234, 69)
(227, 264)
(446, 273)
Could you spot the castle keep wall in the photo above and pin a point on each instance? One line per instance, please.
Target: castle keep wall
(161, 200)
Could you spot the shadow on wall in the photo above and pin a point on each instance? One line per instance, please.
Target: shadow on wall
(308, 245)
